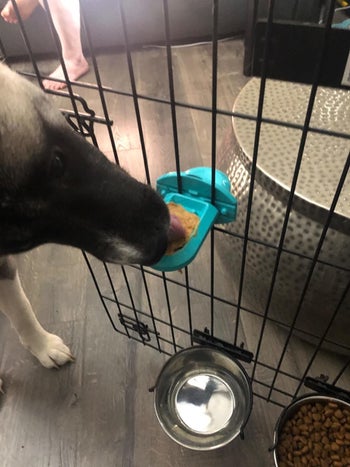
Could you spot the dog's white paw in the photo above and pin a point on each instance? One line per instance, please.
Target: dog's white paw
(1, 389)
(50, 350)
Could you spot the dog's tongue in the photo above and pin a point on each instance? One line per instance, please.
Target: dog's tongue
(176, 230)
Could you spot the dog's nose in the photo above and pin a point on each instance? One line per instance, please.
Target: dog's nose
(175, 232)
(156, 251)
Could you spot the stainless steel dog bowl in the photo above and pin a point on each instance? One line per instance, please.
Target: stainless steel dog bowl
(203, 398)
(291, 409)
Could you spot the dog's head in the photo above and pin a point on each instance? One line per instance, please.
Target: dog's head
(56, 187)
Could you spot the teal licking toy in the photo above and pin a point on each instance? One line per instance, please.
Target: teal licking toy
(196, 198)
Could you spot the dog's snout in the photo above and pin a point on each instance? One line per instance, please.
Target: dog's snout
(175, 231)
(157, 250)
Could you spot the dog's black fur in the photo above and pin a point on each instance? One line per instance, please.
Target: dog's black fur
(56, 187)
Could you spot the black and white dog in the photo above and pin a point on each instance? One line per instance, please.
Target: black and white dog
(56, 187)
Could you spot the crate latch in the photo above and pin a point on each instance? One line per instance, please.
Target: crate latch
(135, 325)
(205, 338)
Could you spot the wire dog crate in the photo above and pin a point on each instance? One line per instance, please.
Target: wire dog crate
(233, 296)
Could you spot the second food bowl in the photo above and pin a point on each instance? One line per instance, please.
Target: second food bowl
(314, 431)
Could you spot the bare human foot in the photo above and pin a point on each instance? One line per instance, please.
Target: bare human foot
(25, 7)
(75, 69)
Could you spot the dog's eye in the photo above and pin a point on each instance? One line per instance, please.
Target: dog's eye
(57, 165)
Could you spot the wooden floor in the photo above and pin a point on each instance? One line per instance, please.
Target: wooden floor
(99, 411)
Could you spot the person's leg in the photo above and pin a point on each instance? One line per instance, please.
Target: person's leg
(25, 7)
(66, 18)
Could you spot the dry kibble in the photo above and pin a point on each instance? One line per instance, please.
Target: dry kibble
(303, 427)
(334, 405)
(328, 423)
(305, 450)
(317, 449)
(339, 414)
(317, 434)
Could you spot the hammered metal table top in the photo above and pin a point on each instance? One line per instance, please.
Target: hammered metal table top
(324, 155)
